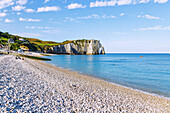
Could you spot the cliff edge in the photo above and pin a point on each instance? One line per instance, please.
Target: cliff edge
(84, 47)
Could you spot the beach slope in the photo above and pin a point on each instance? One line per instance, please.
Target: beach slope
(34, 86)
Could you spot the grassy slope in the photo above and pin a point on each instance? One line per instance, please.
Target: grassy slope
(41, 43)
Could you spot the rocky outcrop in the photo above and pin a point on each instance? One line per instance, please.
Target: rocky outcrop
(88, 47)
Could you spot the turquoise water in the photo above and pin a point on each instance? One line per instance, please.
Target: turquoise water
(150, 73)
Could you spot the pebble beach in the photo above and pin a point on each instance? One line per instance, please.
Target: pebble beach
(34, 86)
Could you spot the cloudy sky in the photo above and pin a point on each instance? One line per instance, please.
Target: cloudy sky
(120, 25)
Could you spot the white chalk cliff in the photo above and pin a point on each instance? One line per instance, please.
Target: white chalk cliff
(89, 47)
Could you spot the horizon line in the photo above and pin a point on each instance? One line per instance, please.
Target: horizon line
(138, 52)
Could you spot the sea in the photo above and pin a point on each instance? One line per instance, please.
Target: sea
(145, 72)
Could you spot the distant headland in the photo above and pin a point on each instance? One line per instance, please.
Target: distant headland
(82, 47)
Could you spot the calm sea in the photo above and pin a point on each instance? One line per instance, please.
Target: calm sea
(146, 72)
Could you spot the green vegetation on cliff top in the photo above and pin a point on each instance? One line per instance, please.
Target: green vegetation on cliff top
(31, 44)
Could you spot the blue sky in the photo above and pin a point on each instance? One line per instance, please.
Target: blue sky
(120, 25)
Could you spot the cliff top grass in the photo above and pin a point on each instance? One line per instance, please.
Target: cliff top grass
(41, 43)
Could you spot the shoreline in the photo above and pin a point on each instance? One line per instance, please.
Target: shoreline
(103, 79)
(62, 90)
(112, 83)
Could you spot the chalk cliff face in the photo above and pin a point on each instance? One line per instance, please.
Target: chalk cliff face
(89, 47)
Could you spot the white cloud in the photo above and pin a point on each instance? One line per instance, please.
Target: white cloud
(51, 31)
(148, 17)
(93, 16)
(29, 10)
(2, 14)
(122, 2)
(29, 20)
(111, 3)
(18, 13)
(8, 21)
(45, 9)
(111, 16)
(46, 1)
(33, 27)
(18, 8)
(81, 18)
(160, 1)
(30, 27)
(70, 19)
(151, 17)
(21, 2)
(6, 3)
(89, 16)
(98, 4)
(154, 28)
(5, 11)
(122, 14)
(96, 16)
(144, 1)
(75, 6)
